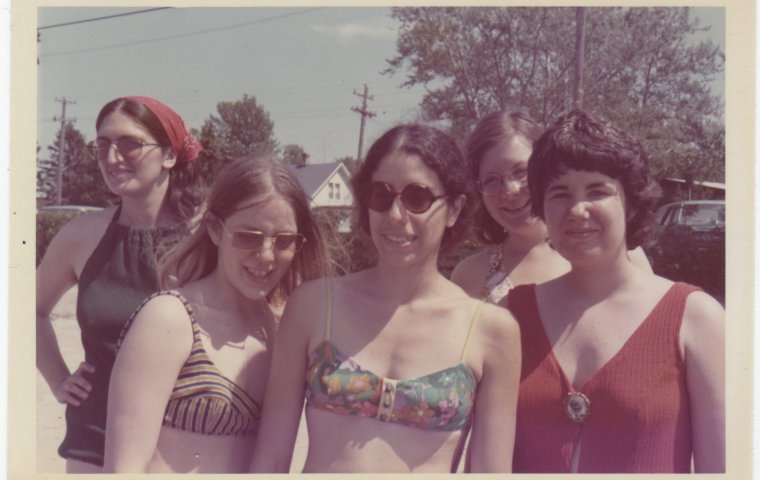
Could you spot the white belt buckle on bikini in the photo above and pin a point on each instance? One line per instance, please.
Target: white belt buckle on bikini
(387, 398)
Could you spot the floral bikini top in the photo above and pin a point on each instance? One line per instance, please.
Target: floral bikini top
(439, 401)
(497, 284)
(203, 399)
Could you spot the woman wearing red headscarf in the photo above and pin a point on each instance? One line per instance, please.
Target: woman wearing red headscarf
(145, 155)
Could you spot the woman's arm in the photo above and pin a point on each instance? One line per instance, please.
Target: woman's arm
(145, 372)
(55, 276)
(283, 401)
(703, 340)
(493, 431)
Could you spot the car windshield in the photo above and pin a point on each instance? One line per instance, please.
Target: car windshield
(697, 215)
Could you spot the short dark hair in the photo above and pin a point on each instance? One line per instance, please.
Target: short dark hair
(494, 129)
(439, 152)
(185, 192)
(577, 141)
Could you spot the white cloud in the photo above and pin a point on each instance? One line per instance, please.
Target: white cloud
(353, 31)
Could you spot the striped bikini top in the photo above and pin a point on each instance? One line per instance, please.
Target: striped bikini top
(203, 399)
(439, 401)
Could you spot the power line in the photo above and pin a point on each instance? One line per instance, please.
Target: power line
(183, 35)
(75, 22)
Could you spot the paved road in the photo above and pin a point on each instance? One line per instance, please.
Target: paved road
(50, 414)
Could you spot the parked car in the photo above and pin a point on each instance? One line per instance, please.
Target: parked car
(688, 244)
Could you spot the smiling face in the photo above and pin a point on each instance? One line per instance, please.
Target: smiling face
(586, 216)
(400, 236)
(255, 273)
(136, 177)
(506, 166)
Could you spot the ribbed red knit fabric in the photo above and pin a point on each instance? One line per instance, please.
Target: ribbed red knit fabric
(639, 403)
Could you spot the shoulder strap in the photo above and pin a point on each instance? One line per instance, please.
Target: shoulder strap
(328, 306)
(472, 325)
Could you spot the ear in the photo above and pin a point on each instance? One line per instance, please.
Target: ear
(214, 230)
(170, 159)
(455, 208)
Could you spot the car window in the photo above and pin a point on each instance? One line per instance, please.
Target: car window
(703, 214)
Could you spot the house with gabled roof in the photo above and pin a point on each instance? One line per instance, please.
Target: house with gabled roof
(326, 184)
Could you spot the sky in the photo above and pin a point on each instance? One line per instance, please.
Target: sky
(303, 65)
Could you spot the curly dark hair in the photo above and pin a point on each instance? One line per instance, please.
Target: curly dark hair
(439, 152)
(578, 141)
(186, 188)
(492, 130)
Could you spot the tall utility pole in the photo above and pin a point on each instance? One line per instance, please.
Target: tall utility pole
(364, 113)
(61, 148)
(580, 48)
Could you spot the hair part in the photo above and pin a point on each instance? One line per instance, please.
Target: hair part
(436, 150)
(578, 141)
(493, 130)
(245, 179)
(185, 192)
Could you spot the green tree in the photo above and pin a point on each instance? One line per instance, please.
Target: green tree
(240, 128)
(642, 72)
(294, 155)
(82, 181)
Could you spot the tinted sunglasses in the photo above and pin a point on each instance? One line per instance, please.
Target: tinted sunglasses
(257, 241)
(130, 149)
(416, 198)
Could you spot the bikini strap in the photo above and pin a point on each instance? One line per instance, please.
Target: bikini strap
(472, 325)
(328, 306)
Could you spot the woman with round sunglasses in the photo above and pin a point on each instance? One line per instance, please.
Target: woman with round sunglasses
(192, 365)
(396, 363)
(519, 251)
(147, 159)
(622, 370)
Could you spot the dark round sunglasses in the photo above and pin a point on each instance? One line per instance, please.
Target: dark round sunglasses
(415, 197)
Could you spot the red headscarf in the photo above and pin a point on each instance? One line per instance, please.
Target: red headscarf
(185, 146)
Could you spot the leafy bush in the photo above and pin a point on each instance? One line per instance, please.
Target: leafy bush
(48, 224)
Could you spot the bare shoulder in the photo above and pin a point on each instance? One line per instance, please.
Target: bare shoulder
(163, 312)
(306, 309)
(89, 223)
(497, 324)
(703, 312)
(79, 236)
(470, 273)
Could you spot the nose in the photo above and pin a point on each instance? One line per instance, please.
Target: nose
(511, 186)
(579, 209)
(397, 212)
(112, 154)
(267, 250)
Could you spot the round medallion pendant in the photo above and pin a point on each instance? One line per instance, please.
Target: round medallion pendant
(577, 407)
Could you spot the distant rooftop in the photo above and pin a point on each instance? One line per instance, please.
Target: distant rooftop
(311, 177)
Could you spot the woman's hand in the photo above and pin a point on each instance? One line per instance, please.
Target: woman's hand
(74, 389)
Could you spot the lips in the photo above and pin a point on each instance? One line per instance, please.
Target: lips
(580, 232)
(516, 206)
(119, 172)
(258, 274)
(398, 239)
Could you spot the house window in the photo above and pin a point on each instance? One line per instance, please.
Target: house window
(337, 191)
(331, 195)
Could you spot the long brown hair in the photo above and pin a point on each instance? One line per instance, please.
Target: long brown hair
(494, 129)
(246, 178)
